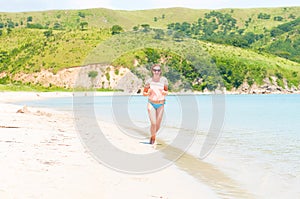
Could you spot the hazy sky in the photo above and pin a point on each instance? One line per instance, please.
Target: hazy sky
(39, 5)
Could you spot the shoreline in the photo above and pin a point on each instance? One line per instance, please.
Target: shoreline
(16, 96)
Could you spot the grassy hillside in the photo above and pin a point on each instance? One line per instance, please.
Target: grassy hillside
(192, 61)
(30, 50)
(237, 65)
(57, 39)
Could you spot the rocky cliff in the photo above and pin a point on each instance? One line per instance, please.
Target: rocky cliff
(119, 78)
(90, 76)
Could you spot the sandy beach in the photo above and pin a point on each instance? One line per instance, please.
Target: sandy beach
(42, 157)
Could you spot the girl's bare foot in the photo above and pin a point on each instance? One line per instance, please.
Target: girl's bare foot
(152, 139)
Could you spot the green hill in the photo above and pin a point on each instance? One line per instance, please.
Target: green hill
(105, 18)
(244, 44)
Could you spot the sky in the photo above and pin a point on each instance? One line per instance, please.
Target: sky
(41, 5)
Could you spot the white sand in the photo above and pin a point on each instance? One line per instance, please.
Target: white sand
(42, 157)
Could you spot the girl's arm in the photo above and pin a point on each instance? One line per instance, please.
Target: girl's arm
(165, 91)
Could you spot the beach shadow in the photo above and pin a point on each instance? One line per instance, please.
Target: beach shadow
(145, 142)
(148, 143)
(221, 184)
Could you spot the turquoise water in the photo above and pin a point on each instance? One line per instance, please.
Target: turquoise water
(259, 144)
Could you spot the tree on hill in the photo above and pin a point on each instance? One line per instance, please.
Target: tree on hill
(263, 16)
(57, 26)
(159, 34)
(146, 27)
(29, 19)
(278, 18)
(116, 29)
(178, 36)
(48, 33)
(81, 14)
(83, 25)
(135, 28)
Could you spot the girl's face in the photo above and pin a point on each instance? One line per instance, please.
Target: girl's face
(156, 70)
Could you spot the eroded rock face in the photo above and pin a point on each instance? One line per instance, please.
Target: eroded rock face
(106, 77)
(268, 87)
(129, 83)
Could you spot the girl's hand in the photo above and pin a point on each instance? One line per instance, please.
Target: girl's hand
(147, 91)
(164, 92)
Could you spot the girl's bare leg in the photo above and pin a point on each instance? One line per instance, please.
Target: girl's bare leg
(153, 121)
(159, 116)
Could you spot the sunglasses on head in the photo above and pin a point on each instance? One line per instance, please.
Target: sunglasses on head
(156, 70)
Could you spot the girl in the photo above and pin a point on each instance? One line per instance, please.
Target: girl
(156, 88)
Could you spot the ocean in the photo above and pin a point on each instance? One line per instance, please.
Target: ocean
(254, 139)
